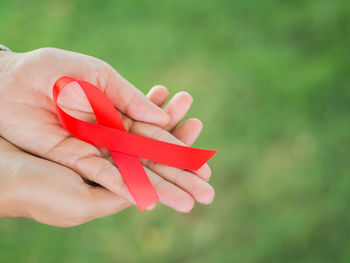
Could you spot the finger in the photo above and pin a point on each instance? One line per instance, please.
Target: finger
(177, 108)
(204, 172)
(133, 102)
(158, 95)
(188, 133)
(191, 183)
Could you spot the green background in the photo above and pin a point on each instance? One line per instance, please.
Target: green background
(270, 80)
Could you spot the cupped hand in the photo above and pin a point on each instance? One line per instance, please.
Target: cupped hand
(28, 120)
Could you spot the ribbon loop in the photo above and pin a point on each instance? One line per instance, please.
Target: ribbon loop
(125, 147)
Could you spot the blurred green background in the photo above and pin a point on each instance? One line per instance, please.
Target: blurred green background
(271, 83)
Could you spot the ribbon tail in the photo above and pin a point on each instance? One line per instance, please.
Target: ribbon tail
(136, 179)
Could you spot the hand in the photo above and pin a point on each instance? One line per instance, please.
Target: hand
(48, 192)
(55, 195)
(28, 120)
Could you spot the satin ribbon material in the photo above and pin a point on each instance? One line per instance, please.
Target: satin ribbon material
(126, 148)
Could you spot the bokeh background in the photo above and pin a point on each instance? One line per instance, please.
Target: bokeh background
(271, 83)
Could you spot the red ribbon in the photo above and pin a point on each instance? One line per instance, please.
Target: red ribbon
(125, 147)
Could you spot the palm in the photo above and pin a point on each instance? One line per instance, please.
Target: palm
(31, 123)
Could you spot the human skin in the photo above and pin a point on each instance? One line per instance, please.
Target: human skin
(28, 120)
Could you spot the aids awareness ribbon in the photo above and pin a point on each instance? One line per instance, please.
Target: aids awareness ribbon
(126, 148)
